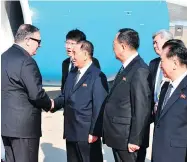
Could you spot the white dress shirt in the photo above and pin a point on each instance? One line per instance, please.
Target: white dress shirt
(83, 70)
(158, 83)
(127, 62)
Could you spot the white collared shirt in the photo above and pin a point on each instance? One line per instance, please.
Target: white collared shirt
(127, 62)
(83, 70)
(176, 82)
(158, 83)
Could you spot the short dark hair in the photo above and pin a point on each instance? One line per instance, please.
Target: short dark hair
(176, 48)
(87, 46)
(23, 31)
(173, 41)
(76, 35)
(129, 36)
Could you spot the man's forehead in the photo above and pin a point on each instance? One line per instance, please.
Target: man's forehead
(116, 36)
(71, 40)
(36, 34)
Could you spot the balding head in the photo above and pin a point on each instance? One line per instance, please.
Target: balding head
(28, 37)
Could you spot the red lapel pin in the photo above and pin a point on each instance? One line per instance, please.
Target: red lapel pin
(84, 85)
(183, 96)
(125, 79)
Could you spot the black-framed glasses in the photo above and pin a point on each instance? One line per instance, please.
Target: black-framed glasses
(37, 40)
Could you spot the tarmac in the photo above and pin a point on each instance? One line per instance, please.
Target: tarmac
(52, 145)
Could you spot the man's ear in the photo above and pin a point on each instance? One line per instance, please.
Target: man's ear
(123, 45)
(27, 40)
(85, 55)
(176, 63)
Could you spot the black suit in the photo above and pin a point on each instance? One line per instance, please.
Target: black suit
(170, 133)
(153, 67)
(65, 69)
(22, 99)
(127, 111)
(83, 114)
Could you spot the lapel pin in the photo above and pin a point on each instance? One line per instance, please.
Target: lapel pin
(183, 96)
(84, 85)
(125, 79)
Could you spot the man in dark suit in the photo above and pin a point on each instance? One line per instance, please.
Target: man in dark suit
(72, 38)
(127, 109)
(22, 97)
(83, 95)
(170, 133)
(157, 79)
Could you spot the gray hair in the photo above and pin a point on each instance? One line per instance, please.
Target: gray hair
(164, 34)
(24, 31)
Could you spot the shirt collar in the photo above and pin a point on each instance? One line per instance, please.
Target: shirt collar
(83, 70)
(176, 82)
(125, 64)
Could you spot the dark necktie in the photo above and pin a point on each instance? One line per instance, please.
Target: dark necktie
(77, 77)
(118, 74)
(72, 66)
(167, 96)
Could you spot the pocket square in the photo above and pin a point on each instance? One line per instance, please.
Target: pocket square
(125, 79)
(84, 85)
(183, 96)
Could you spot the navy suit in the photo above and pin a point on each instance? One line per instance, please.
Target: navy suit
(83, 105)
(170, 133)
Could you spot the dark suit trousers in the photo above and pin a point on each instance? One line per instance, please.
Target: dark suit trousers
(84, 152)
(21, 149)
(125, 156)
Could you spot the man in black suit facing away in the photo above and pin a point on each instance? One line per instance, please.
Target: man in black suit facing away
(170, 132)
(127, 109)
(82, 98)
(72, 38)
(22, 97)
(157, 78)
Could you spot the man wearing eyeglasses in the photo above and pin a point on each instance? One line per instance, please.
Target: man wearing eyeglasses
(72, 38)
(22, 97)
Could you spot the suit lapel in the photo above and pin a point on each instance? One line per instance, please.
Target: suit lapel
(174, 97)
(83, 78)
(70, 82)
(161, 100)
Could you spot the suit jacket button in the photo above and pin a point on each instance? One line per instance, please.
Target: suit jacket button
(158, 126)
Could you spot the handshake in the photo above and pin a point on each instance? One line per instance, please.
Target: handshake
(52, 110)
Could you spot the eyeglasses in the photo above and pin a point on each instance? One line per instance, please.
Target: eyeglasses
(70, 43)
(37, 40)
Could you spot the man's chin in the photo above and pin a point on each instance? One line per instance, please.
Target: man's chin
(69, 54)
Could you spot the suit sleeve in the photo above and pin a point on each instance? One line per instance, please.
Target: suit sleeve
(32, 81)
(100, 91)
(141, 106)
(59, 102)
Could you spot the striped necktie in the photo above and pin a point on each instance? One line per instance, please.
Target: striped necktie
(72, 66)
(118, 74)
(77, 77)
